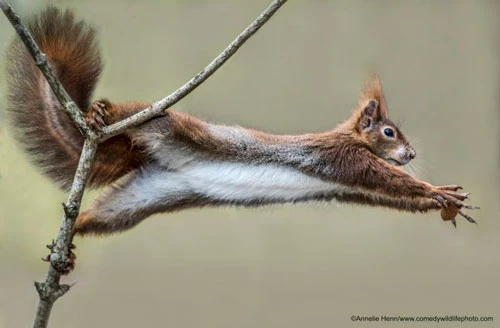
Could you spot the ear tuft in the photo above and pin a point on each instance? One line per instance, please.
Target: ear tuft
(373, 91)
(372, 87)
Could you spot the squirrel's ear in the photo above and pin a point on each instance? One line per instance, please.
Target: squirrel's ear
(373, 91)
(369, 114)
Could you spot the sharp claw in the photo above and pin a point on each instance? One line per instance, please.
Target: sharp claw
(455, 196)
(468, 217)
(454, 201)
(450, 187)
(454, 222)
(95, 118)
(99, 120)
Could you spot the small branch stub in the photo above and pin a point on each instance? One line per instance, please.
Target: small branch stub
(46, 292)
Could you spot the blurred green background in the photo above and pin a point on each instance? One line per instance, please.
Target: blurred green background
(309, 265)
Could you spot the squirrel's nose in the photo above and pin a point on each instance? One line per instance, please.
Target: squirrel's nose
(412, 153)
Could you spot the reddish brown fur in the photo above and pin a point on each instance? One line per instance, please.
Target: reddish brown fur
(354, 154)
(46, 132)
(346, 147)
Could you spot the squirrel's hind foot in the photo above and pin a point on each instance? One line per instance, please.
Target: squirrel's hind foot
(64, 265)
(96, 116)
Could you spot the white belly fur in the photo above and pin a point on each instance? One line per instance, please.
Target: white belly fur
(232, 182)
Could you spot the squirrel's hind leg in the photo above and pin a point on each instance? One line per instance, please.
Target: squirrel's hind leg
(133, 198)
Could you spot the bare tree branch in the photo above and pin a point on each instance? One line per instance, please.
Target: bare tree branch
(159, 106)
(60, 258)
(51, 290)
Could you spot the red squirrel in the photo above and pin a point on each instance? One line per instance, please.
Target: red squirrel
(177, 161)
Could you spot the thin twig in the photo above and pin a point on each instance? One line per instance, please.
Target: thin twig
(159, 106)
(50, 290)
(69, 106)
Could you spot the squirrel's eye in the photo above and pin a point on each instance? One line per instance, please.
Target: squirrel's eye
(389, 132)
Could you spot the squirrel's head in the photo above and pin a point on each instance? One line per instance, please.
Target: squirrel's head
(374, 128)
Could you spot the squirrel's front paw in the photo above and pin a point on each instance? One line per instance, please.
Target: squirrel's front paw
(452, 203)
(96, 116)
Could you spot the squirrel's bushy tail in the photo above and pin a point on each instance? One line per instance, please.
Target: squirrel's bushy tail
(47, 134)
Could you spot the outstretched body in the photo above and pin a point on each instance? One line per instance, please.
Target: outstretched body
(177, 161)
